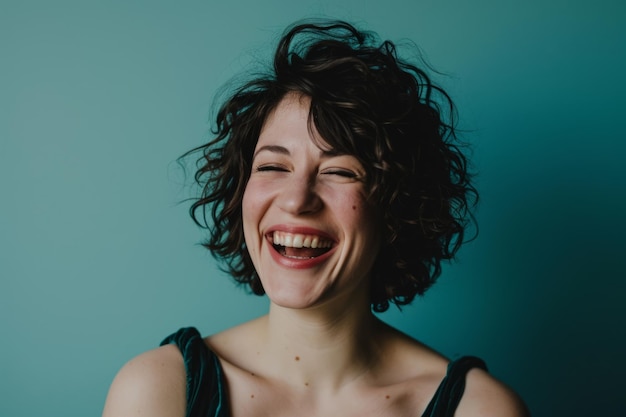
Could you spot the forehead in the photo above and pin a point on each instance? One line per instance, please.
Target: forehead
(290, 123)
(299, 121)
(292, 109)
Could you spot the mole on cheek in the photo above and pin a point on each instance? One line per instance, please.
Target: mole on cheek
(297, 358)
(353, 207)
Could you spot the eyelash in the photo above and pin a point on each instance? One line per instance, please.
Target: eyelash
(263, 168)
(341, 173)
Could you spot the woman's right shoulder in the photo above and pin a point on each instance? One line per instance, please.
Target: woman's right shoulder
(153, 384)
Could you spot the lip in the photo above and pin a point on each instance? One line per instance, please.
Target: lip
(294, 263)
(300, 230)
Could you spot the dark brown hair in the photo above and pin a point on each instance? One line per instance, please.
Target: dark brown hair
(367, 102)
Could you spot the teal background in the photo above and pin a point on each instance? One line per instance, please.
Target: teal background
(98, 261)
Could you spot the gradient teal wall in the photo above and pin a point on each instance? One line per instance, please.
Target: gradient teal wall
(98, 262)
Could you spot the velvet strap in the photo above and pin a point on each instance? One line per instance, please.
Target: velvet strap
(450, 391)
(206, 394)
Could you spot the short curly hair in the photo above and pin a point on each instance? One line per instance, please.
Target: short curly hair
(366, 102)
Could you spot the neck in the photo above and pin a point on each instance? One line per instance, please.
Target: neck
(323, 346)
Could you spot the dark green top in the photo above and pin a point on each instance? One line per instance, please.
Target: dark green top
(206, 393)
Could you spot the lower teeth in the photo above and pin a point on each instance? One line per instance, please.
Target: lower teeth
(283, 251)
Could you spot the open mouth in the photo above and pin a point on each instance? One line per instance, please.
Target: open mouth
(300, 246)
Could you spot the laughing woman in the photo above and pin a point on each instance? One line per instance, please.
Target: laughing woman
(334, 186)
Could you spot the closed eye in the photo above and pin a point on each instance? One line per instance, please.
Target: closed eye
(340, 172)
(265, 168)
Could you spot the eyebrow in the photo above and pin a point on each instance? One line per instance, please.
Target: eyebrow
(272, 148)
(284, 151)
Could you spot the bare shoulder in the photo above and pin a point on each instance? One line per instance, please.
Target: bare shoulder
(425, 368)
(152, 384)
(238, 344)
(485, 396)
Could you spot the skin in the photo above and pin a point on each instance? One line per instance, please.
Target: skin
(319, 351)
(297, 188)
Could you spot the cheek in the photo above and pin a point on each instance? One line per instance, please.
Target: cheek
(248, 210)
(357, 211)
(250, 200)
(246, 202)
(254, 204)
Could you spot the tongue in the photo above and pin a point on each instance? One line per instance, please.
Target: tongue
(302, 252)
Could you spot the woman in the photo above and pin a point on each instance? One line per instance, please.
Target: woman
(335, 187)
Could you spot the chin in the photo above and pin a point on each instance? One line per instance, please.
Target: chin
(295, 295)
(290, 298)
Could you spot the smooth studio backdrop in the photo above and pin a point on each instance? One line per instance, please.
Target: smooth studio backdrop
(99, 261)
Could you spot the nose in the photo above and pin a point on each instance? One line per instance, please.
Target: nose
(299, 195)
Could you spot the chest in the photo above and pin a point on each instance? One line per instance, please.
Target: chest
(265, 400)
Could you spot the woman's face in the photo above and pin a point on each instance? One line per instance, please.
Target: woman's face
(310, 231)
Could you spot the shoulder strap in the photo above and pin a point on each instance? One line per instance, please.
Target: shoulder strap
(205, 387)
(450, 391)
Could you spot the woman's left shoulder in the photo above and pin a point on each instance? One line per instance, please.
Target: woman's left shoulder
(485, 396)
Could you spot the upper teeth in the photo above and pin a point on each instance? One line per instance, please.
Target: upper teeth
(293, 240)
